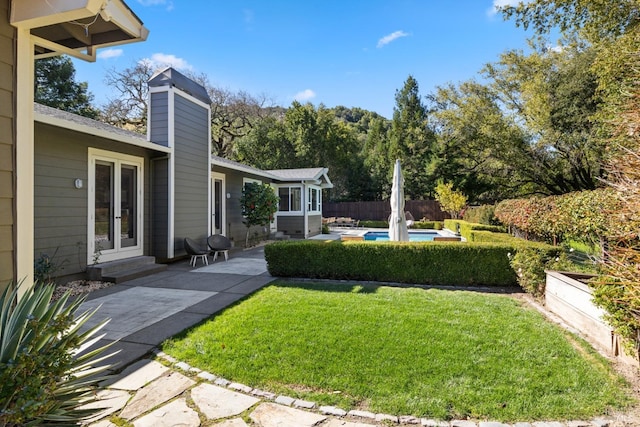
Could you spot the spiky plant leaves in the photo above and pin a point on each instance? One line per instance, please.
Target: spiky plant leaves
(48, 374)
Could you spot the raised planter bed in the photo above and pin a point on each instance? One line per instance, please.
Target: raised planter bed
(568, 296)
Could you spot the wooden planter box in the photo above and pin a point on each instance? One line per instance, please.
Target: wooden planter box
(568, 296)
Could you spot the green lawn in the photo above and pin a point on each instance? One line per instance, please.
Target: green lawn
(405, 351)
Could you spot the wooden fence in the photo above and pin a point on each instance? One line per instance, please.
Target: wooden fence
(380, 211)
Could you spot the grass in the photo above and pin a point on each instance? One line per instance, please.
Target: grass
(405, 351)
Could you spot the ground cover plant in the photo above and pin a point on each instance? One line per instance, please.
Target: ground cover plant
(406, 351)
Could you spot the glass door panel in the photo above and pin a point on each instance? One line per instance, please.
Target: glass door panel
(104, 204)
(128, 206)
(217, 206)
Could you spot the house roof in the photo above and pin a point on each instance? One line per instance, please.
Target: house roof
(226, 163)
(316, 176)
(64, 119)
(170, 77)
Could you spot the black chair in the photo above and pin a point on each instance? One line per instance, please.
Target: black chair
(219, 244)
(196, 251)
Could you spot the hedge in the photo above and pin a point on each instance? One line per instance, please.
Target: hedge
(433, 263)
(473, 232)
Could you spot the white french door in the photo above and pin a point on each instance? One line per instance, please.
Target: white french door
(115, 225)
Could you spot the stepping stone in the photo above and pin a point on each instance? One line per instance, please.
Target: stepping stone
(274, 415)
(103, 423)
(217, 402)
(111, 400)
(159, 391)
(236, 422)
(137, 375)
(176, 413)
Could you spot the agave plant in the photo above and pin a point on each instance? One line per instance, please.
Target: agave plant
(47, 376)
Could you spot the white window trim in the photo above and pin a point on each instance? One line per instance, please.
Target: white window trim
(317, 211)
(302, 201)
(118, 158)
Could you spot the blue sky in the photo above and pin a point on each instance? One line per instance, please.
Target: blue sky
(355, 53)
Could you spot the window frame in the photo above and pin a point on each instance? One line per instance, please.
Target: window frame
(289, 194)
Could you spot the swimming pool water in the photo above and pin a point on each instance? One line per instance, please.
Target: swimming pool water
(414, 236)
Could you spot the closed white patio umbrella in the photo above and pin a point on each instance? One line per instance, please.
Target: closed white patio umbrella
(397, 222)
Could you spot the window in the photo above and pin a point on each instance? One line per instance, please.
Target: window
(290, 199)
(314, 200)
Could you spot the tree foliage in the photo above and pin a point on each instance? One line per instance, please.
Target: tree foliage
(411, 139)
(55, 86)
(451, 200)
(259, 204)
(128, 108)
(307, 137)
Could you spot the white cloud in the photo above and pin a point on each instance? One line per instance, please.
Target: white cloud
(497, 4)
(169, 3)
(110, 53)
(304, 95)
(391, 37)
(159, 60)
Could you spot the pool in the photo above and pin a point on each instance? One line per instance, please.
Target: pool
(414, 236)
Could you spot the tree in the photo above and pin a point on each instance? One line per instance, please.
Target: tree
(450, 200)
(411, 139)
(233, 114)
(528, 130)
(55, 86)
(129, 108)
(595, 20)
(259, 203)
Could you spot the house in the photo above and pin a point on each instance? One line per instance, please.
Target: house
(107, 195)
(299, 212)
(31, 29)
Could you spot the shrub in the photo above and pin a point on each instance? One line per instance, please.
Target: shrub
(484, 214)
(374, 224)
(431, 225)
(530, 261)
(583, 215)
(467, 229)
(434, 263)
(46, 374)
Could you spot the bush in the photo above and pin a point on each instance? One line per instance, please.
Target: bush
(468, 230)
(531, 260)
(46, 374)
(435, 263)
(484, 214)
(374, 224)
(431, 225)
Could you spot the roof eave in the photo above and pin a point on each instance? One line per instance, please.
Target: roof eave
(119, 23)
(101, 133)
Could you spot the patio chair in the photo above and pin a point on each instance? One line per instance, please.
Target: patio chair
(219, 244)
(196, 251)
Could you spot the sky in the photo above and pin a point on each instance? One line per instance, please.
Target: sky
(354, 53)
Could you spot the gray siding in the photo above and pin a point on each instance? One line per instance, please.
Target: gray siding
(160, 208)
(7, 145)
(315, 225)
(236, 230)
(159, 113)
(192, 174)
(291, 225)
(60, 210)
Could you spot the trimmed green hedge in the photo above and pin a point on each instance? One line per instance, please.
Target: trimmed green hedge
(479, 232)
(434, 263)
